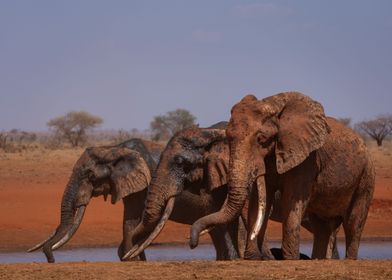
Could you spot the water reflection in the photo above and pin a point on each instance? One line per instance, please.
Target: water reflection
(368, 250)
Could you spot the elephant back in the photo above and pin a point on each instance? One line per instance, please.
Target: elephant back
(150, 151)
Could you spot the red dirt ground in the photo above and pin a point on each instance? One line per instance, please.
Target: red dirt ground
(358, 270)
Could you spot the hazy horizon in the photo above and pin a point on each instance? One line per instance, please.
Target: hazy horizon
(128, 61)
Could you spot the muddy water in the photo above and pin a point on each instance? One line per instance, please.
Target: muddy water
(368, 250)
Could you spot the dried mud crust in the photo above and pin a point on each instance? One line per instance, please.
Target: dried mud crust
(203, 270)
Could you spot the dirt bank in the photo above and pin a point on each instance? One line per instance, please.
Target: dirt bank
(203, 270)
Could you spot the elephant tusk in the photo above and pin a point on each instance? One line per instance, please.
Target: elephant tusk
(207, 230)
(257, 226)
(75, 225)
(261, 196)
(137, 249)
(39, 245)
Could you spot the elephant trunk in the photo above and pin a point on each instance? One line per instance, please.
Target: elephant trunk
(154, 205)
(141, 230)
(158, 207)
(237, 193)
(70, 219)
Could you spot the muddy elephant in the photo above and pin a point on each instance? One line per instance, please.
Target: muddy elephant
(190, 162)
(124, 171)
(322, 169)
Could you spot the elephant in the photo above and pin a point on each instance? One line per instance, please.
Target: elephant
(190, 163)
(322, 168)
(196, 160)
(124, 171)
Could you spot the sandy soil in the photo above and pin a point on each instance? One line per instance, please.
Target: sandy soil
(203, 270)
(31, 185)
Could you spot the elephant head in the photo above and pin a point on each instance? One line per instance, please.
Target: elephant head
(115, 170)
(193, 157)
(285, 127)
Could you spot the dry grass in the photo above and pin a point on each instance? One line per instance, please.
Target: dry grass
(17, 141)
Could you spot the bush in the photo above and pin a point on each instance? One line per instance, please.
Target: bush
(165, 126)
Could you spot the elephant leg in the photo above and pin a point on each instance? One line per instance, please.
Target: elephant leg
(233, 230)
(354, 221)
(262, 240)
(258, 248)
(126, 243)
(291, 233)
(133, 207)
(225, 249)
(324, 233)
(266, 253)
(241, 241)
(333, 252)
(332, 249)
(251, 251)
(295, 197)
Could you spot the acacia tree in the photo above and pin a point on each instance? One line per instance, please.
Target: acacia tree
(73, 126)
(3, 140)
(345, 121)
(377, 129)
(165, 126)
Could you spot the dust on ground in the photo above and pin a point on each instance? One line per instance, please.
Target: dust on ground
(320, 270)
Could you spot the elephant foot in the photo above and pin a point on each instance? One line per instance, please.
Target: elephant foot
(267, 255)
(252, 256)
(230, 257)
(255, 254)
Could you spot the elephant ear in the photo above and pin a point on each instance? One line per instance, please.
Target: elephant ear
(201, 137)
(108, 154)
(217, 169)
(303, 128)
(130, 174)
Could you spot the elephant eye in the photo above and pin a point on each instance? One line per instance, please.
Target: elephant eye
(183, 163)
(265, 140)
(261, 138)
(90, 175)
(179, 160)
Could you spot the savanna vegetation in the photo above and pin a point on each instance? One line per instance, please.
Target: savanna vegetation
(81, 129)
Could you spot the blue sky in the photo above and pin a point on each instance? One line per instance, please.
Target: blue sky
(128, 61)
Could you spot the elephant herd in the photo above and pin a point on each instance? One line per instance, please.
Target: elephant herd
(279, 158)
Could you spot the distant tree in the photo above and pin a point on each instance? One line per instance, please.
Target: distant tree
(345, 121)
(165, 126)
(377, 129)
(73, 126)
(3, 140)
